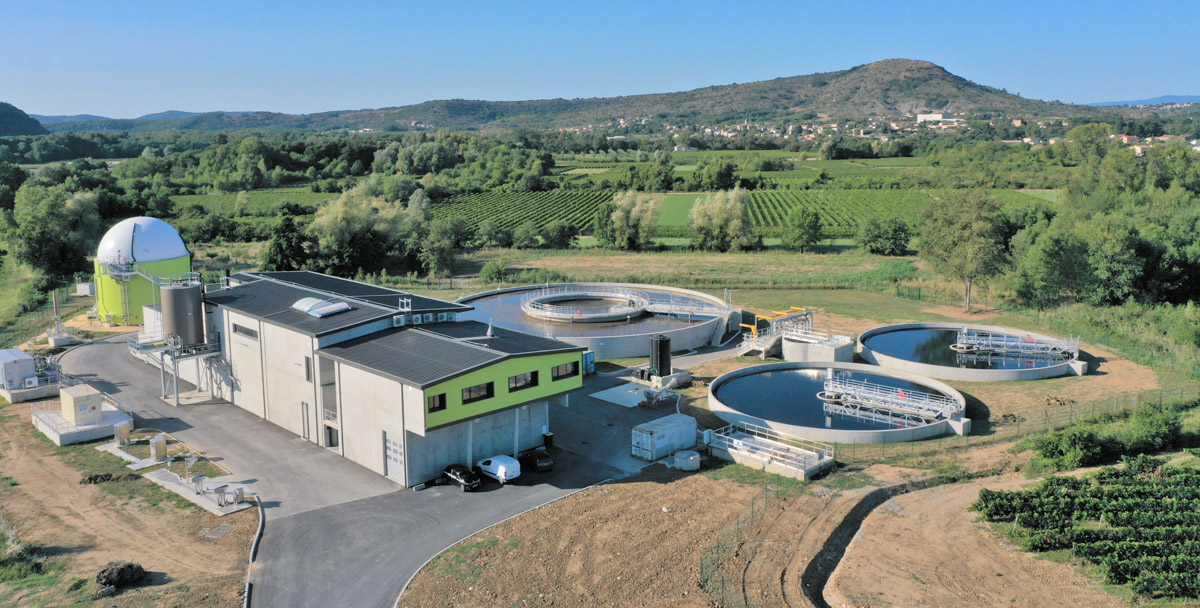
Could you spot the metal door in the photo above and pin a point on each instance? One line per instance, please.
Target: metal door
(393, 458)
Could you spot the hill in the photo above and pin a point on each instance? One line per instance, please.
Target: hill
(13, 121)
(1153, 101)
(890, 87)
(49, 120)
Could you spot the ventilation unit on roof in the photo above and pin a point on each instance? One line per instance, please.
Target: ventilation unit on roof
(428, 317)
(399, 320)
(441, 317)
(416, 320)
(319, 308)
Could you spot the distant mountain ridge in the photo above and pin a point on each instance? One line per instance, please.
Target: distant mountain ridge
(168, 115)
(1153, 101)
(889, 87)
(14, 121)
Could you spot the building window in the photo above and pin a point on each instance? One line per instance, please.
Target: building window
(308, 369)
(522, 381)
(245, 331)
(436, 403)
(566, 370)
(477, 392)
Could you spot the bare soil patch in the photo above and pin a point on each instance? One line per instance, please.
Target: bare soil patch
(83, 527)
(927, 549)
(635, 542)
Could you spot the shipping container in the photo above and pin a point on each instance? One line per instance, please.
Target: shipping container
(660, 438)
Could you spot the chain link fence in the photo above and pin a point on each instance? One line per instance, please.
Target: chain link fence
(717, 575)
(1007, 428)
(34, 322)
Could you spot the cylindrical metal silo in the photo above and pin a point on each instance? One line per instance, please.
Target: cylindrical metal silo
(183, 313)
(660, 355)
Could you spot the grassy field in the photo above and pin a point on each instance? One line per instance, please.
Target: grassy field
(676, 209)
(257, 202)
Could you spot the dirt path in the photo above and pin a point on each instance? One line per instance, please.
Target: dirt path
(926, 549)
(88, 527)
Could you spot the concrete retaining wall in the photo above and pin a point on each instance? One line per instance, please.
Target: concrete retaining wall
(946, 372)
(638, 345)
(943, 427)
(799, 350)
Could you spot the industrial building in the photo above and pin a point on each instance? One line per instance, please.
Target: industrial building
(393, 381)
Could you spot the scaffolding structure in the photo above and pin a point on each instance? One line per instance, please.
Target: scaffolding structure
(859, 399)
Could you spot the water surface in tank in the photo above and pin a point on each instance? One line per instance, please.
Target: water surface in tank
(505, 311)
(932, 346)
(789, 396)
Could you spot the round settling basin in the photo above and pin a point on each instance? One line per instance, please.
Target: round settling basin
(612, 328)
(784, 397)
(926, 349)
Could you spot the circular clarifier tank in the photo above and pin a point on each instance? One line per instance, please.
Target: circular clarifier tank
(866, 405)
(954, 351)
(613, 319)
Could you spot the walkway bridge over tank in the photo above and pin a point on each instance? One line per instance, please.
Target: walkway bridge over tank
(863, 400)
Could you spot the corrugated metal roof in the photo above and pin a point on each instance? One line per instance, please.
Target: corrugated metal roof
(272, 302)
(412, 355)
(422, 356)
(505, 340)
(13, 354)
(375, 294)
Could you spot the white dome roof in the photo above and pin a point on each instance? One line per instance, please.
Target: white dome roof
(141, 239)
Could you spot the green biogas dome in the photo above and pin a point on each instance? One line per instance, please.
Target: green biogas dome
(133, 258)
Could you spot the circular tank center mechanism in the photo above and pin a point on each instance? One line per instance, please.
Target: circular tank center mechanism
(585, 305)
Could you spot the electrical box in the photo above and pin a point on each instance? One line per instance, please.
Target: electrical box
(81, 404)
(158, 448)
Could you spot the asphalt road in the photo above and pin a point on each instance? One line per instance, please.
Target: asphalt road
(336, 534)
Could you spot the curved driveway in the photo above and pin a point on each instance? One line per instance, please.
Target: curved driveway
(336, 534)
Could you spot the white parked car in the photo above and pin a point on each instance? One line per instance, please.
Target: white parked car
(500, 467)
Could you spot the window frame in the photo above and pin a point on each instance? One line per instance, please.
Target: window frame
(242, 330)
(441, 398)
(556, 376)
(489, 391)
(532, 381)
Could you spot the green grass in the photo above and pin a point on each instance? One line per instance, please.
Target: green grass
(258, 202)
(676, 209)
(467, 561)
(1046, 195)
(85, 458)
(747, 476)
(847, 480)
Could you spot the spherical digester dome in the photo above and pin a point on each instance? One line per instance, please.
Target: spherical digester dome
(141, 239)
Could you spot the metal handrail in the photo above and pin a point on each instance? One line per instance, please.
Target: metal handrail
(779, 448)
(914, 402)
(330, 415)
(988, 341)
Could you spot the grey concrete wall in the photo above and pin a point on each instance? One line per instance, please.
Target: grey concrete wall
(732, 415)
(370, 405)
(290, 393)
(245, 359)
(946, 372)
(638, 345)
(489, 435)
(797, 350)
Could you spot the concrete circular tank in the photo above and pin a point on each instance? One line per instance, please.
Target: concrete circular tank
(793, 398)
(981, 353)
(615, 320)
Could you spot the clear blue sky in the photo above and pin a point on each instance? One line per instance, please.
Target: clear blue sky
(127, 58)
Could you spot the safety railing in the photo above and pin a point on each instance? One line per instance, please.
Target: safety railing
(976, 341)
(841, 388)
